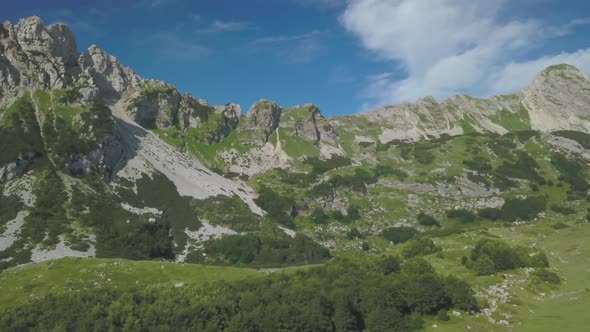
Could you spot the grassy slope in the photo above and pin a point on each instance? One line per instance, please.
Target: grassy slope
(533, 305)
(74, 274)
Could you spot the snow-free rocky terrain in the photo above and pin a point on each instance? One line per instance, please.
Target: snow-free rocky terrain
(96, 161)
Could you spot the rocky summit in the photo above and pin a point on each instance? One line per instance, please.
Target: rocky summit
(99, 163)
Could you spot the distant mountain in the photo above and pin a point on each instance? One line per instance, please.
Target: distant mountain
(557, 99)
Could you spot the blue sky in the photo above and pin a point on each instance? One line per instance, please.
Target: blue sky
(343, 55)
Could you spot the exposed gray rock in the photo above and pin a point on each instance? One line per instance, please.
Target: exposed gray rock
(102, 160)
(263, 118)
(104, 72)
(308, 122)
(230, 118)
(56, 40)
(556, 99)
(37, 56)
(156, 107)
(14, 169)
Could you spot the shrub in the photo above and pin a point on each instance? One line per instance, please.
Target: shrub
(427, 220)
(227, 211)
(492, 214)
(423, 246)
(353, 234)
(547, 276)
(501, 254)
(502, 147)
(386, 170)
(490, 256)
(356, 182)
(260, 250)
(582, 138)
(572, 171)
(318, 216)
(443, 315)
(563, 210)
(479, 164)
(322, 166)
(397, 235)
(484, 266)
(462, 215)
(235, 248)
(365, 246)
(416, 266)
(389, 264)
(523, 209)
(276, 206)
(9, 207)
(525, 167)
(20, 132)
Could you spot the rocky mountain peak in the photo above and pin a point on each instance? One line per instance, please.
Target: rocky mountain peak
(36, 56)
(56, 39)
(263, 116)
(308, 122)
(103, 71)
(558, 98)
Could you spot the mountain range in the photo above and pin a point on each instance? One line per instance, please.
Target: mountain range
(96, 161)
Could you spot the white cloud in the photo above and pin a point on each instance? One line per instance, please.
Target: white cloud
(448, 46)
(515, 75)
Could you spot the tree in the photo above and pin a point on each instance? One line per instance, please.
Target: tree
(346, 315)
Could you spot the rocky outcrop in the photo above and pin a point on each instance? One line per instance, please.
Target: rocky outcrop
(17, 168)
(156, 107)
(308, 122)
(262, 120)
(36, 56)
(558, 98)
(230, 118)
(104, 159)
(104, 77)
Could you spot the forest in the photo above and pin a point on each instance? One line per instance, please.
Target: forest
(378, 294)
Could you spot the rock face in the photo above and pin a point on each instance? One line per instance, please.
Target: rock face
(36, 56)
(104, 77)
(263, 119)
(308, 122)
(558, 98)
(16, 168)
(104, 159)
(231, 114)
(156, 107)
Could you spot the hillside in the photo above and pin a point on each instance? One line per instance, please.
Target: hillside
(482, 203)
